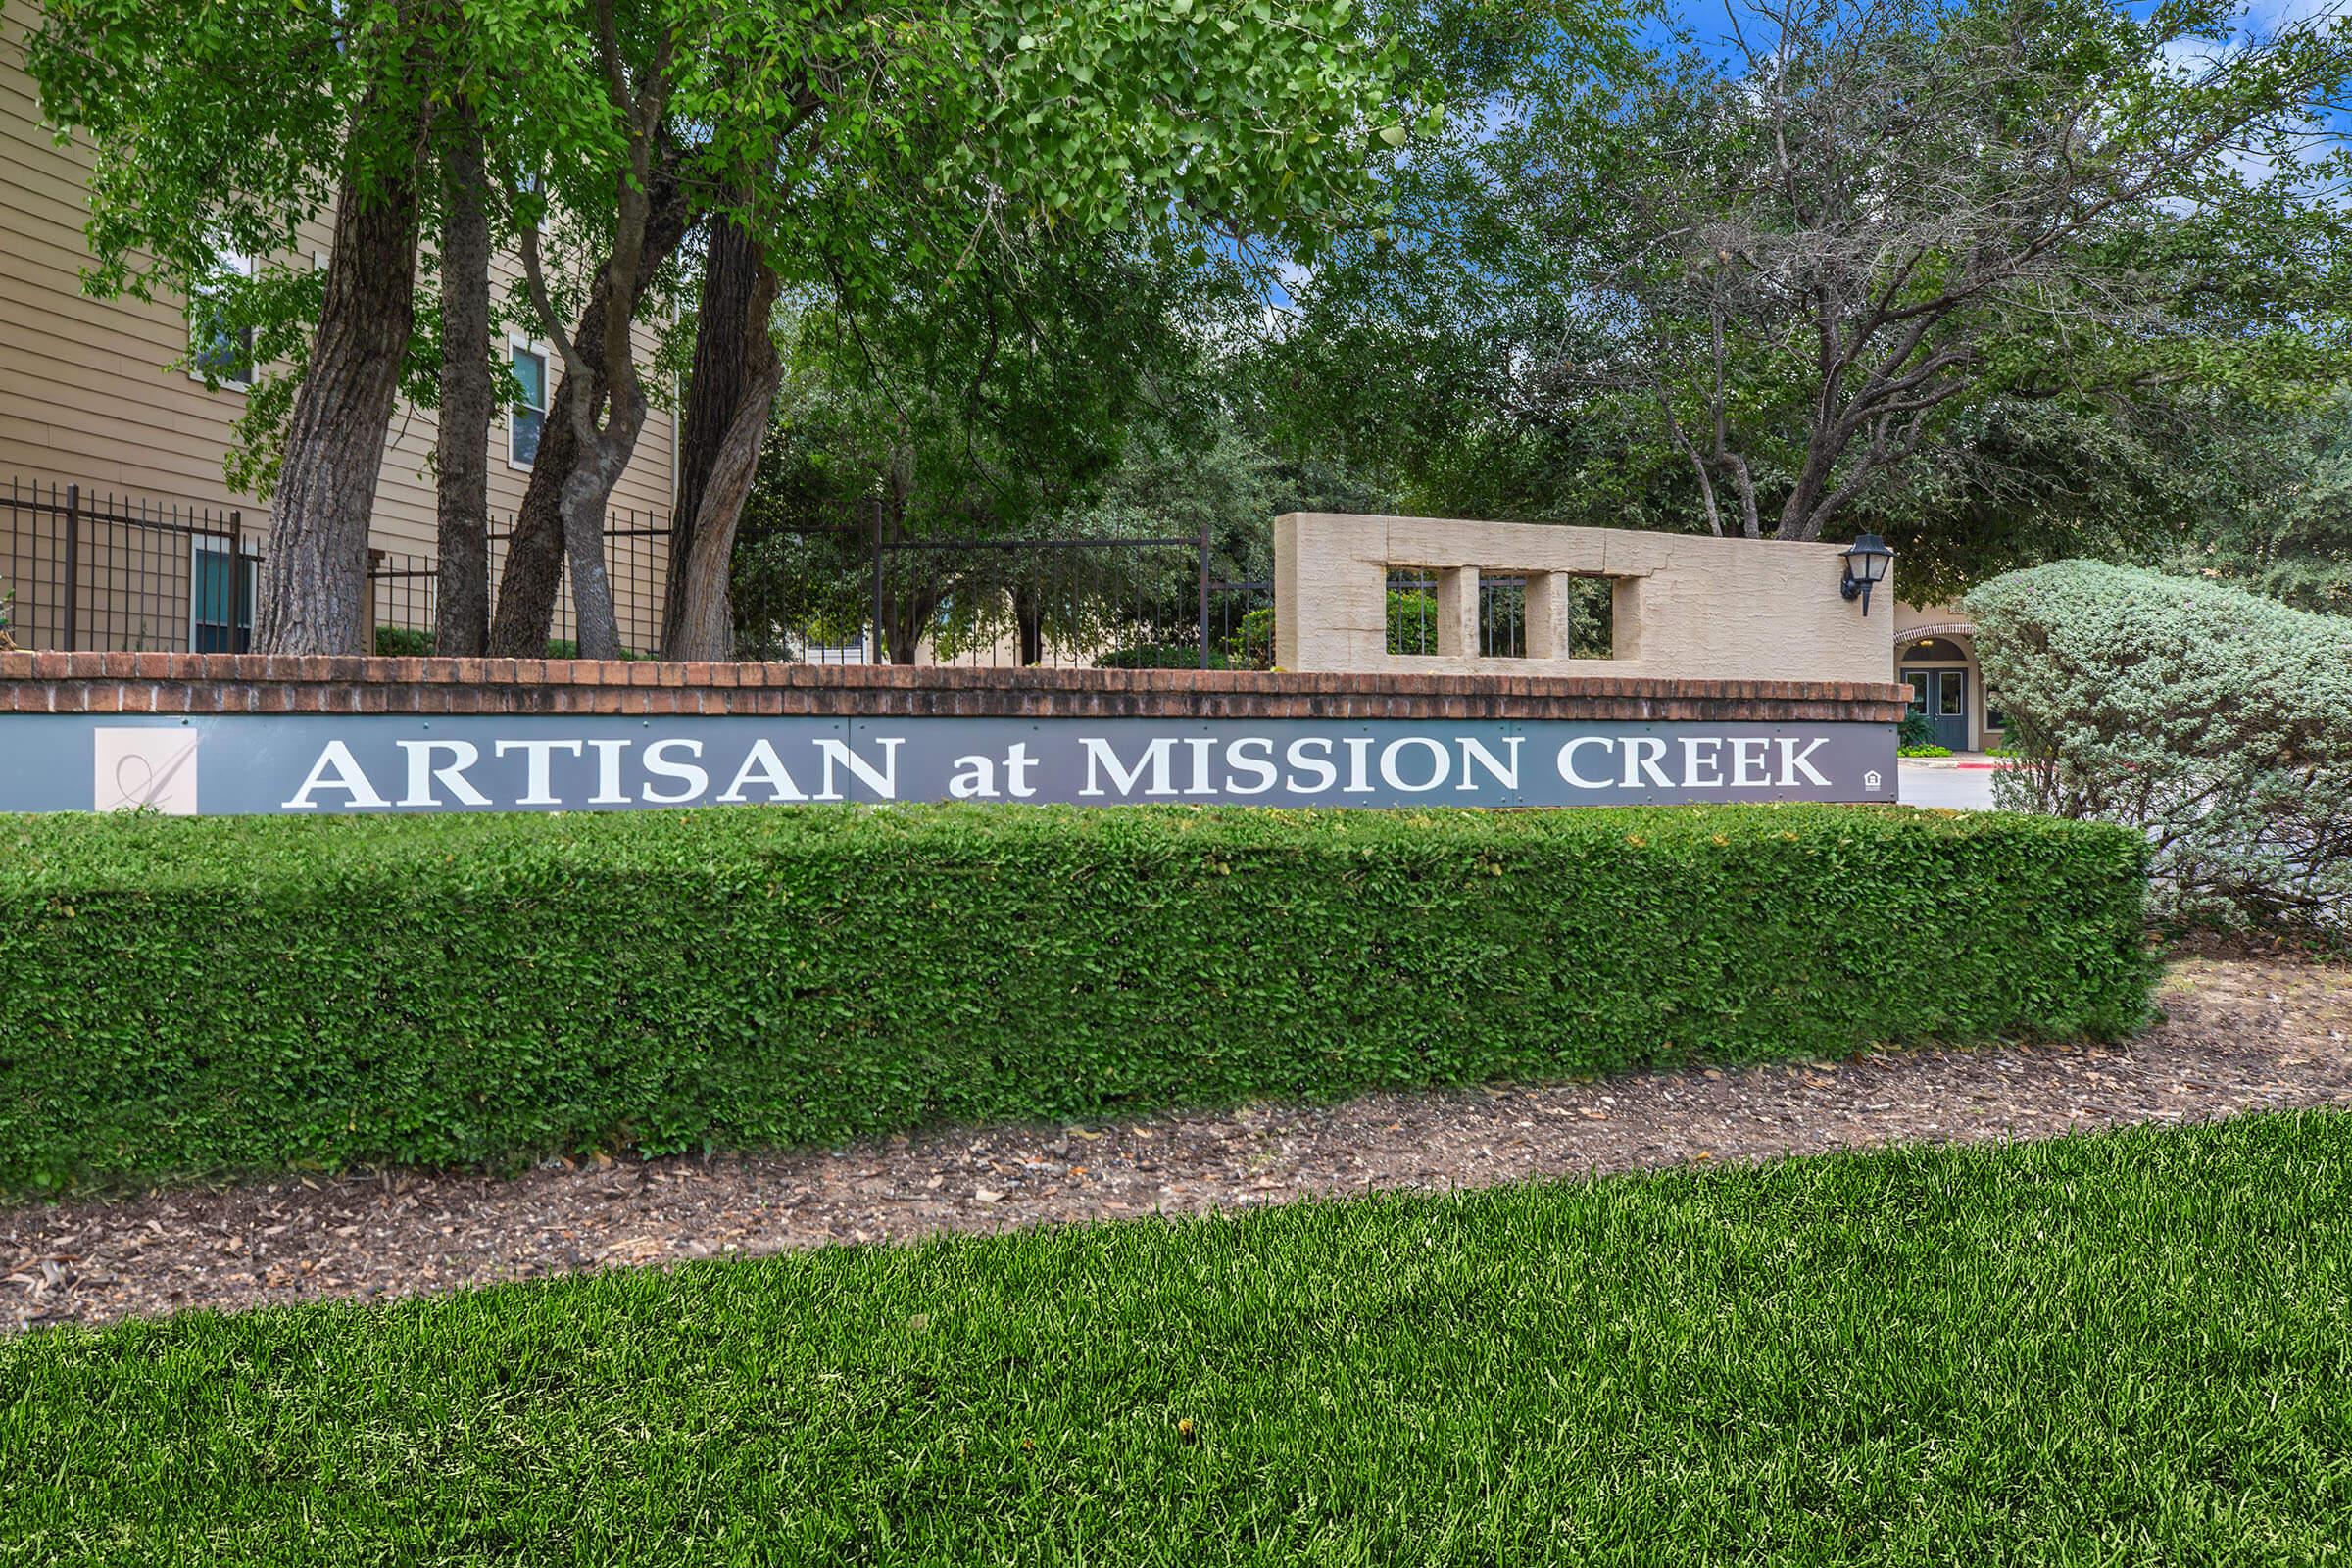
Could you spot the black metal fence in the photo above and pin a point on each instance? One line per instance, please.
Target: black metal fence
(85, 569)
(404, 590)
(841, 595)
(101, 571)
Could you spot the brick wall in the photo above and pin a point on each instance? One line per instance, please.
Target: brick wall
(255, 683)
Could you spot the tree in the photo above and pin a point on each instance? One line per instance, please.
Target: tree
(468, 392)
(2287, 532)
(223, 132)
(734, 381)
(1839, 258)
(219, 136)
(991, 144)
(968, 409)
(1898, 207)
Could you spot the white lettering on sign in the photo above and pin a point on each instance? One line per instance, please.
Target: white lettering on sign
(657, 763)
(1792, 761)
(1568, 761)
(761, 765)
(347, 777)
(1702, 763)
(883, 780)
(1392, 773)
(1156, 758)
(715, 763)
(1475, 754)
(462, 755)
(536, 791)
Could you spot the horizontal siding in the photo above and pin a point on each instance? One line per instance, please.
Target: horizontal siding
(85, 394)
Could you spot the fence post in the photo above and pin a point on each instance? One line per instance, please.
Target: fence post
(375, 566)
(1204, 592)
(236, 578)
(72, 555)
(873, 652)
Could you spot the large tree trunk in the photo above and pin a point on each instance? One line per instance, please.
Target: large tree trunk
(462, 451)
(700, 582)
(528, 583)
(732, 358)
(735, 375)
(315, 581)
(585, 494)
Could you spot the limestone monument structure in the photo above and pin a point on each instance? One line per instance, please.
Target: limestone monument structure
(1681, 606)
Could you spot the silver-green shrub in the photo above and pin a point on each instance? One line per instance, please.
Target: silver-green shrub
(2217, 723)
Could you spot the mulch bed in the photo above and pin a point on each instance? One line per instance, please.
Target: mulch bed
(2240, 1035)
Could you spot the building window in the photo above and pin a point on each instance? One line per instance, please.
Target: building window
(219, 351)
(528, 416)
(220, 607)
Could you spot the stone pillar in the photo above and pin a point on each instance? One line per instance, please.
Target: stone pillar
(1548, 615)
(1457, 612)
(1625, 618)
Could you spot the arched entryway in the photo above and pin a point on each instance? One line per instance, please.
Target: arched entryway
(1936, 657)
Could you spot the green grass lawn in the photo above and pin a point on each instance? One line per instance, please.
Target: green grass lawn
(2135, 1348)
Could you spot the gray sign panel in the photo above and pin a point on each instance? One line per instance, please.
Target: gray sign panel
(327, 763)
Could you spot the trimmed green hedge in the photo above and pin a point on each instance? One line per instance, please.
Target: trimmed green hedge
(187, 998)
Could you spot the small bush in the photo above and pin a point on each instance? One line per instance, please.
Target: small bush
(1917, 729)
(407, 642)
(1159, 655)
(1252, 644)
(189, 998)
(566, 647)
(1412, 630)
(1928, 749)
(2216, 724)
(403, 642)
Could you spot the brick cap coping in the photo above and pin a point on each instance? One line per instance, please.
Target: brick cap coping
(212, 683)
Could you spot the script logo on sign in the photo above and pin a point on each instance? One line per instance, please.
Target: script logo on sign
(153, 769)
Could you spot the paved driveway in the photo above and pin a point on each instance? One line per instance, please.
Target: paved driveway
(1968, 789)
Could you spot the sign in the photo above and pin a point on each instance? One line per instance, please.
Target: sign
(329, 765)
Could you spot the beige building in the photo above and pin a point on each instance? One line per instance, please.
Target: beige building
(101, 395)
(1936, 654)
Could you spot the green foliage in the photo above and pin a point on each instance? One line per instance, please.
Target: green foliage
(2125, 1347)
(1412, 621)
(218, 995)
(407, 642)
(1160, 656)
(2291, 538)
(1252, 644)
(2216, 724)
(1412, 630)
(403, 642)
(1924, 748)
(1996, 358)
(1917, 729)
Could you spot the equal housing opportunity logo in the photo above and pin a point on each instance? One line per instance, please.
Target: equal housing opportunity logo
(145, 769)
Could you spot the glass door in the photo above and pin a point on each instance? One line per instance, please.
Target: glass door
(1943, 696)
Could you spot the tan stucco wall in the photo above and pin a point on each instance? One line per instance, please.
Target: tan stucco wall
(86, 392)
(1686, 606)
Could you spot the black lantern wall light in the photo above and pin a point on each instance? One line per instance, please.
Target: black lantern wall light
(1866, 561)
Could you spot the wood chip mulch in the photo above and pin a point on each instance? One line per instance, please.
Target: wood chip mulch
(2240, 1035)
